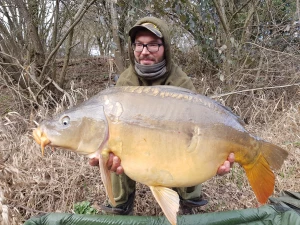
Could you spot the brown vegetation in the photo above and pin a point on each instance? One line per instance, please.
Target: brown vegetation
(31, 185)
(244, 54)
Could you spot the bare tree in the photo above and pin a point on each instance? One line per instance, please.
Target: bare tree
(35, 47)
(29, 31)
(33, 33)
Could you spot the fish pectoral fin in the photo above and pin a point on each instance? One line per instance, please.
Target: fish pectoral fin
(105, 175)
(168, 200)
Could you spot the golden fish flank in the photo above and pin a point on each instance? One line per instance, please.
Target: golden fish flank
(146, 127)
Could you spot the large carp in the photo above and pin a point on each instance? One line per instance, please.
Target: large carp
(165, 137)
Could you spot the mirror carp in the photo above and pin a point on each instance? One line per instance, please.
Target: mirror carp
(165, 137)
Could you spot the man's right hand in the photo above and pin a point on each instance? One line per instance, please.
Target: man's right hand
(113, 164)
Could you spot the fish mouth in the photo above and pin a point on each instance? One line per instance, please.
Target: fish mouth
(41, 138)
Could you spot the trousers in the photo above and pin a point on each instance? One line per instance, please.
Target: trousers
(123, 186)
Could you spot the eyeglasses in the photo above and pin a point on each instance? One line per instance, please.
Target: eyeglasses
(138, 47)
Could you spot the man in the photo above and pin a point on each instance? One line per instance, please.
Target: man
(151, 64)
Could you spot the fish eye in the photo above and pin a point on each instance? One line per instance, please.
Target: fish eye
(65, 120)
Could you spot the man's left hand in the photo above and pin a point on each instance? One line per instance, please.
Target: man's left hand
(114, 164)
(225, 168)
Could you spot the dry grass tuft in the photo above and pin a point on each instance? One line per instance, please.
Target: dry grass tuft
(33, 185)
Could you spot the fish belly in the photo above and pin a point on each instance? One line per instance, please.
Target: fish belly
(159, 157)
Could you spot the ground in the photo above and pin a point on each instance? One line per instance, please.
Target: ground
(31, 184)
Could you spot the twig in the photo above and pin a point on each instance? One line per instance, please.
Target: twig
(61, 90)
(43, 88)
(29, 209)
(254, 89)
(237, 11)
(77, 18)
(271, 50)
(222, 18)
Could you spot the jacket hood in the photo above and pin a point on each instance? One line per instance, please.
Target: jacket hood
(163, 28)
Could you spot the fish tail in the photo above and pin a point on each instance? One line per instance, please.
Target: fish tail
(259, 173)
(273, 154)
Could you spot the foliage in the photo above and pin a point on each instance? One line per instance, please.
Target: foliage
(84, 208)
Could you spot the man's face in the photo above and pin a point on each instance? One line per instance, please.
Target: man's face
(145, 57)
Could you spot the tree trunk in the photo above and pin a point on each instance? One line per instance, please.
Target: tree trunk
(78, 16)
(116, 38)
(221, 13)
(36, 49)
(67, 59)
(298, 10)
(54, 39)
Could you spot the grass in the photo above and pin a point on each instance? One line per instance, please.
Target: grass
(84, 208)
(31, 185)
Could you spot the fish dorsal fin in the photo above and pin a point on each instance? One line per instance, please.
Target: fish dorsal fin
(168, 200)
(105, 175)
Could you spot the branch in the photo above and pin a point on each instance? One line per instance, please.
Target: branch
(222, 18)
(247, 21)
(297, 13)
(43, 88)
(62, 90)
(77, 18)
(236, 12)
(254, 89)
(271, 50)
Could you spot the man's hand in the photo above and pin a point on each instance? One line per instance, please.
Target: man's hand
(113, 164)
(225, 168)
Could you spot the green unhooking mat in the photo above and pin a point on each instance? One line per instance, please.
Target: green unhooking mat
(284, 210)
